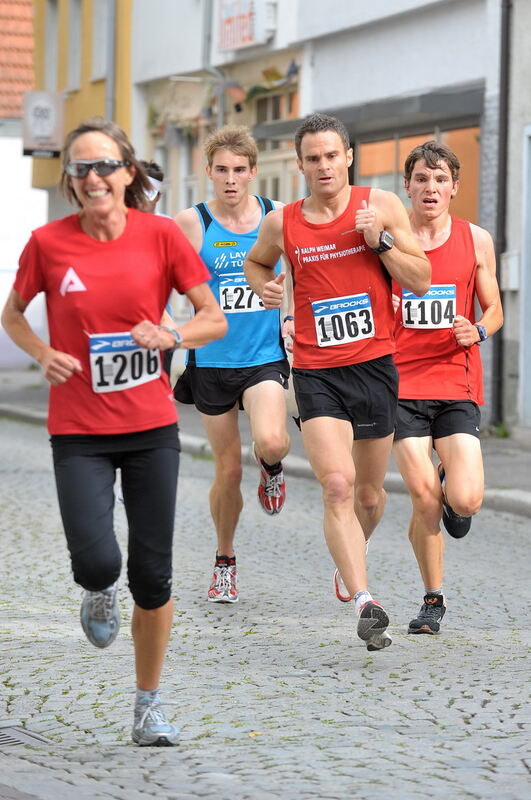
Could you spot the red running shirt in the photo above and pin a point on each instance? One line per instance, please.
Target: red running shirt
(342, 291)
(97, 288)
(431, 365)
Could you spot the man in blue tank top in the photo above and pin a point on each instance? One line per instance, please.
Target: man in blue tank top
(246, 370)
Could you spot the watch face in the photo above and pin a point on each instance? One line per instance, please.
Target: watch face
(386, 240)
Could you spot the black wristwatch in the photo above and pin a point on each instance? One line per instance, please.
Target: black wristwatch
(386, 242)
(175, 333)
(482, 332)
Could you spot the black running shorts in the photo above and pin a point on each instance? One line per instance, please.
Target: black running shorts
(216, 390)
(365, 394)
(436, 418)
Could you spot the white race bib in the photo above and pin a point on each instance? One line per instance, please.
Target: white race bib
(118, 363)
(435, 309)
(236, 296)
(339, 320)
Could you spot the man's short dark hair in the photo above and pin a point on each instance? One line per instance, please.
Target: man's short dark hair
(432, 153)
(319, 123)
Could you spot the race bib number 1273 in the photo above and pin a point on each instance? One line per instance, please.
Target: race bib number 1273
(118, 363)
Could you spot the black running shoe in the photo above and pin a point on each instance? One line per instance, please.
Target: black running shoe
(430, 615)
(456, 525)
(372, 626)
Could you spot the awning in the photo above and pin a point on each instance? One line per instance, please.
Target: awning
(449, 107)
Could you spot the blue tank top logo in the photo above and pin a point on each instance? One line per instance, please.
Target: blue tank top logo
(254, 335)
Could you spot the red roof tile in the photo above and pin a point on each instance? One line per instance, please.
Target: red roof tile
(16, 55)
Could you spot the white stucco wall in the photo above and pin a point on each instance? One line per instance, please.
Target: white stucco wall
(21, 210)
(167, 38)
(440, 45)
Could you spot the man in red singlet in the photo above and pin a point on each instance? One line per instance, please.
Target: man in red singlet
(439, 364)
(343, 243)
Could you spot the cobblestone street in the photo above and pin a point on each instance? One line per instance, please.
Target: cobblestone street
(276, 696)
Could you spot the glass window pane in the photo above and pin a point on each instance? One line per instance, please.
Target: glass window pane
(261, 109)
(466, 145)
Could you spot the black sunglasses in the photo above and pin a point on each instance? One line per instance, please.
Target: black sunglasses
(102, 167)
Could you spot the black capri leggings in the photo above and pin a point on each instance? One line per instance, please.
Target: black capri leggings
(85, 488)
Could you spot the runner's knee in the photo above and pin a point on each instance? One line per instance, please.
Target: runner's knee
(96, 568)
(273, 448)
(337, 488)
(466, 506)
(229, 472)
(369, 498)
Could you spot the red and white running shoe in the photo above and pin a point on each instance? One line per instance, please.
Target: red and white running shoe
(223, 588)
(340, 589)
(271, 489)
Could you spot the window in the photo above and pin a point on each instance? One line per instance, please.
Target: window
(74, 45)
(100, 39)
(381, 165)
(273, 108)
(190, 169)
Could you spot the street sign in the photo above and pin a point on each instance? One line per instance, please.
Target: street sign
(43, 124)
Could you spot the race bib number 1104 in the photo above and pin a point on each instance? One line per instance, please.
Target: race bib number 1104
(118, 363)
(435, 309)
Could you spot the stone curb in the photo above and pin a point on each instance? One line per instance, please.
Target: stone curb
(512, 501)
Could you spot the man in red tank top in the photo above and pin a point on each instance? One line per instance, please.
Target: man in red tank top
(343, 243)
(438, 360)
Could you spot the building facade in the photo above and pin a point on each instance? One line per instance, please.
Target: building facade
(396, 72)
(82, 54)
(22, 208)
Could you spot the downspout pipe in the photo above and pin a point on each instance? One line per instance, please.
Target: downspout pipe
(497, 411)
(207, 66)
(110, 84)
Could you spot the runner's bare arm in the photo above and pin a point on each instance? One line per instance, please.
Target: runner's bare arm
(487, 292)
(261, 259)
(57, 367)
(207, 324)
(188, 221)
(406, 261)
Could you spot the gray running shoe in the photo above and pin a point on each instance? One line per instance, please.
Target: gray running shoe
(151, 728)
(430, 615)
(372, 626)
(100, 616)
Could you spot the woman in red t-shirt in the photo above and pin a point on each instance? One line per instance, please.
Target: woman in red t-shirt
(107, 272)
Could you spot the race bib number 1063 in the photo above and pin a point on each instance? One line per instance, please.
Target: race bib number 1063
(339, 320)
(118, 363)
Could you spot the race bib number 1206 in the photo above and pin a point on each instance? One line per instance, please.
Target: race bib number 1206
(118, 363)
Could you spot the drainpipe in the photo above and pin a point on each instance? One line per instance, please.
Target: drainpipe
(501, 214)
(110, 84)
(207, 45)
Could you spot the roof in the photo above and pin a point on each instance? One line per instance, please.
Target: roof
(16, 55)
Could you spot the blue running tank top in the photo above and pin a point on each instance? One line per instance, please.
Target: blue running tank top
(254, 333)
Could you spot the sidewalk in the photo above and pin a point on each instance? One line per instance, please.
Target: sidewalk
(24, 396)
